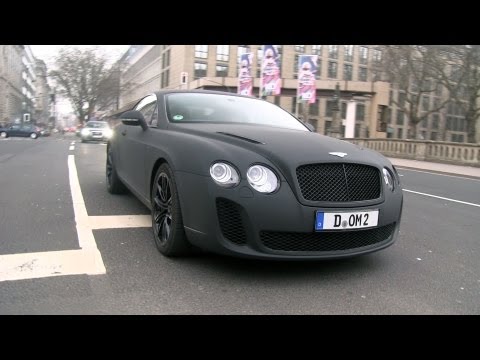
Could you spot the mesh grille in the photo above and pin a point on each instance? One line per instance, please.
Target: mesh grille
(339, 182)
(231, 222)
(325, 241)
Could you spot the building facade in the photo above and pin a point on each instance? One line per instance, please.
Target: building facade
(11, 96)
(43, 94)
(150, 68)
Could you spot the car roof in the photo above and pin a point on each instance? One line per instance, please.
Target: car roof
(200, 91)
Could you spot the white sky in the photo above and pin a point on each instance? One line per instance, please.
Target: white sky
(47, 53)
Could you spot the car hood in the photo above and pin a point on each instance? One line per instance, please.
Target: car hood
(284, 147)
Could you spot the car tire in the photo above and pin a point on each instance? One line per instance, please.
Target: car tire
(33, 136)
(114, 184)
(3, 135)
(167, 222)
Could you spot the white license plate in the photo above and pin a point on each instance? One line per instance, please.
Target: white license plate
(345, 220)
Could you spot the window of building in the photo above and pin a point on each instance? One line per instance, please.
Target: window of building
(329, 108)
(332, 69)
(221, 71)
(399, 133)
(314, 108)
(223, 52)
(276, 100)
(401, 100)
(201, 51)
(348, 53)
(166, 59)
(200, 70)
(347, 72)
(333, 51)
(317, 50)
(328, 125)
(295, 66)
(319, 69)
(438, 90)
(360, 112)
(377, 55)
(294, 104)
(362, 74)
(165, 80)
(435, 121)
(400, 117)
(425, 102)
(300, 48)
(363, 55)
(433, 136)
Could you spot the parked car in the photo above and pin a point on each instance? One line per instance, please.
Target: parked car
(96, 131)
(241, 176)
(19, 130)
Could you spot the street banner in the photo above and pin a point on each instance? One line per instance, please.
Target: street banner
(271, 81)
(307, 67)
(245, 80)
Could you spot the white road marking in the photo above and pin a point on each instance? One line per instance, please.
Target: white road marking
(71, 148)
(119, 221)
(443, 198)
(436, 173)
(51, 263)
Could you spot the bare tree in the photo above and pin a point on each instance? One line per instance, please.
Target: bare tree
(79, 75)
(461, 76)
(412, 70)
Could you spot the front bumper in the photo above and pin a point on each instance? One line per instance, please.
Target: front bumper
(242, 222)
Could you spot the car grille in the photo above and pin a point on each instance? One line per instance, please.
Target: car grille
(339, 182)
(231, 222)
(325, 241)
(96, 133)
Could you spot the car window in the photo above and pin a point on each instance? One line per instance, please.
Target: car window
(219, 108)
(96, 125)
(154, 121)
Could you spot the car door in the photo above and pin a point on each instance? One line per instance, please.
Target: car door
(132, 148)
(15, 130)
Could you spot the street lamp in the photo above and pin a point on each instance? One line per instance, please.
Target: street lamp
(335, 127)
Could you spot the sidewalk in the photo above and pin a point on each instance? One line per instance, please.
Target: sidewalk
(468, 171)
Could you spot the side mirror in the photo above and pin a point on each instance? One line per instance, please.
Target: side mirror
(134, 118)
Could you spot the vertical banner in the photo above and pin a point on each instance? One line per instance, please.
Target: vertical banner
(271, 81)
(245, 80)
(307, 67)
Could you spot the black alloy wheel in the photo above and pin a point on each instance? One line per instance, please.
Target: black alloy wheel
(167, 222)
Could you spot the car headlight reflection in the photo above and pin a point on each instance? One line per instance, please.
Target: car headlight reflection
(85, 132)
(262, 179)
(224, 174)
(107, 133)
(388, 178)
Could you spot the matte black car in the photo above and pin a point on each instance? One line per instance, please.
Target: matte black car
(241, 176)
(19, 130)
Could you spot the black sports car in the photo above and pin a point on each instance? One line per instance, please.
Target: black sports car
(241, 176)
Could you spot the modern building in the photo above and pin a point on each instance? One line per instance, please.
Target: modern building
(11, 82)
(149, 68)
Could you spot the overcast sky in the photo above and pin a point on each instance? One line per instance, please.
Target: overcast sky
(47, 53)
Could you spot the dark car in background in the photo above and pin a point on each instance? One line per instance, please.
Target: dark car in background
(19, 130)
(241, 176)
(96, 131)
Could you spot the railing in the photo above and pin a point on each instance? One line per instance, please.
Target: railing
(436, 151)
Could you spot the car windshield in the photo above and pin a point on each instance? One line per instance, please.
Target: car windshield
(96, 125)
(218, 108)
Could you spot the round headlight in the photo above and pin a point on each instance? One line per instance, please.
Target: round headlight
(85, 132)
(262, 179)
(107, 133)
(388, 178)
(224, 174)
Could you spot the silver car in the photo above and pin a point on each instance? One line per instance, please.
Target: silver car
(96, 131)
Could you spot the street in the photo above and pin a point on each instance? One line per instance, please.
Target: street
(67, 246)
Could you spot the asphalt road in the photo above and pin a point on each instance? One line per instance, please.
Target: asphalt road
(433, 267)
